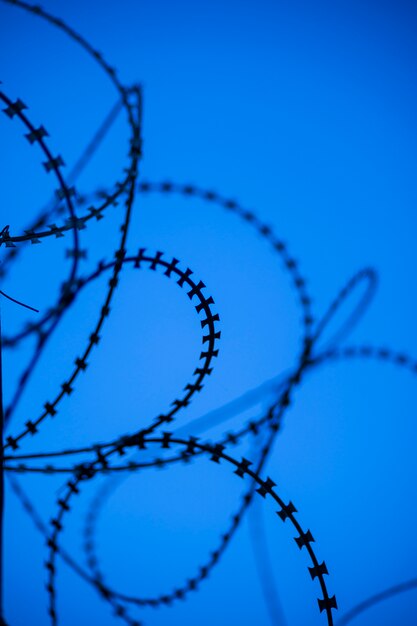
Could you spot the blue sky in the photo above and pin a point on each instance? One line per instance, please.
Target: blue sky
(305, 114)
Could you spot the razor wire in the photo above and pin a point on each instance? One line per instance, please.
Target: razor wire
(151, 446)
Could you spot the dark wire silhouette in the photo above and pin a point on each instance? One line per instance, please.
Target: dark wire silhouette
(1, 477)
(372, 601)
(152, 446)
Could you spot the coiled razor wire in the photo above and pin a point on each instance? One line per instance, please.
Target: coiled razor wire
(151, 445)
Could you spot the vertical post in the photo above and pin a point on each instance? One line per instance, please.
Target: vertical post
(2, 620)
(1, 480)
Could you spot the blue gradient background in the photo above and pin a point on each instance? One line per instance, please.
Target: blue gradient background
(305, 113)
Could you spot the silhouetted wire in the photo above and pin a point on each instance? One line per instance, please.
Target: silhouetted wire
(373, 600)
(80, 362)
(210, 419)
(195, 427)
(1, 479)
(276, 411)
(367, 274)
(167, 599)
(54, 206)
(43, 528)
(26, 306)
(37, 136)
(263, 556)
(347, 352)
(264, 566)
(368, 352)
(123, 93)
(16, 109)
(291, 266)
(103, 458)
(96, 141)
(154, 263)
(216, 452)
(255, 518)
(67, 297)
(398, 359)
(151, 260)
